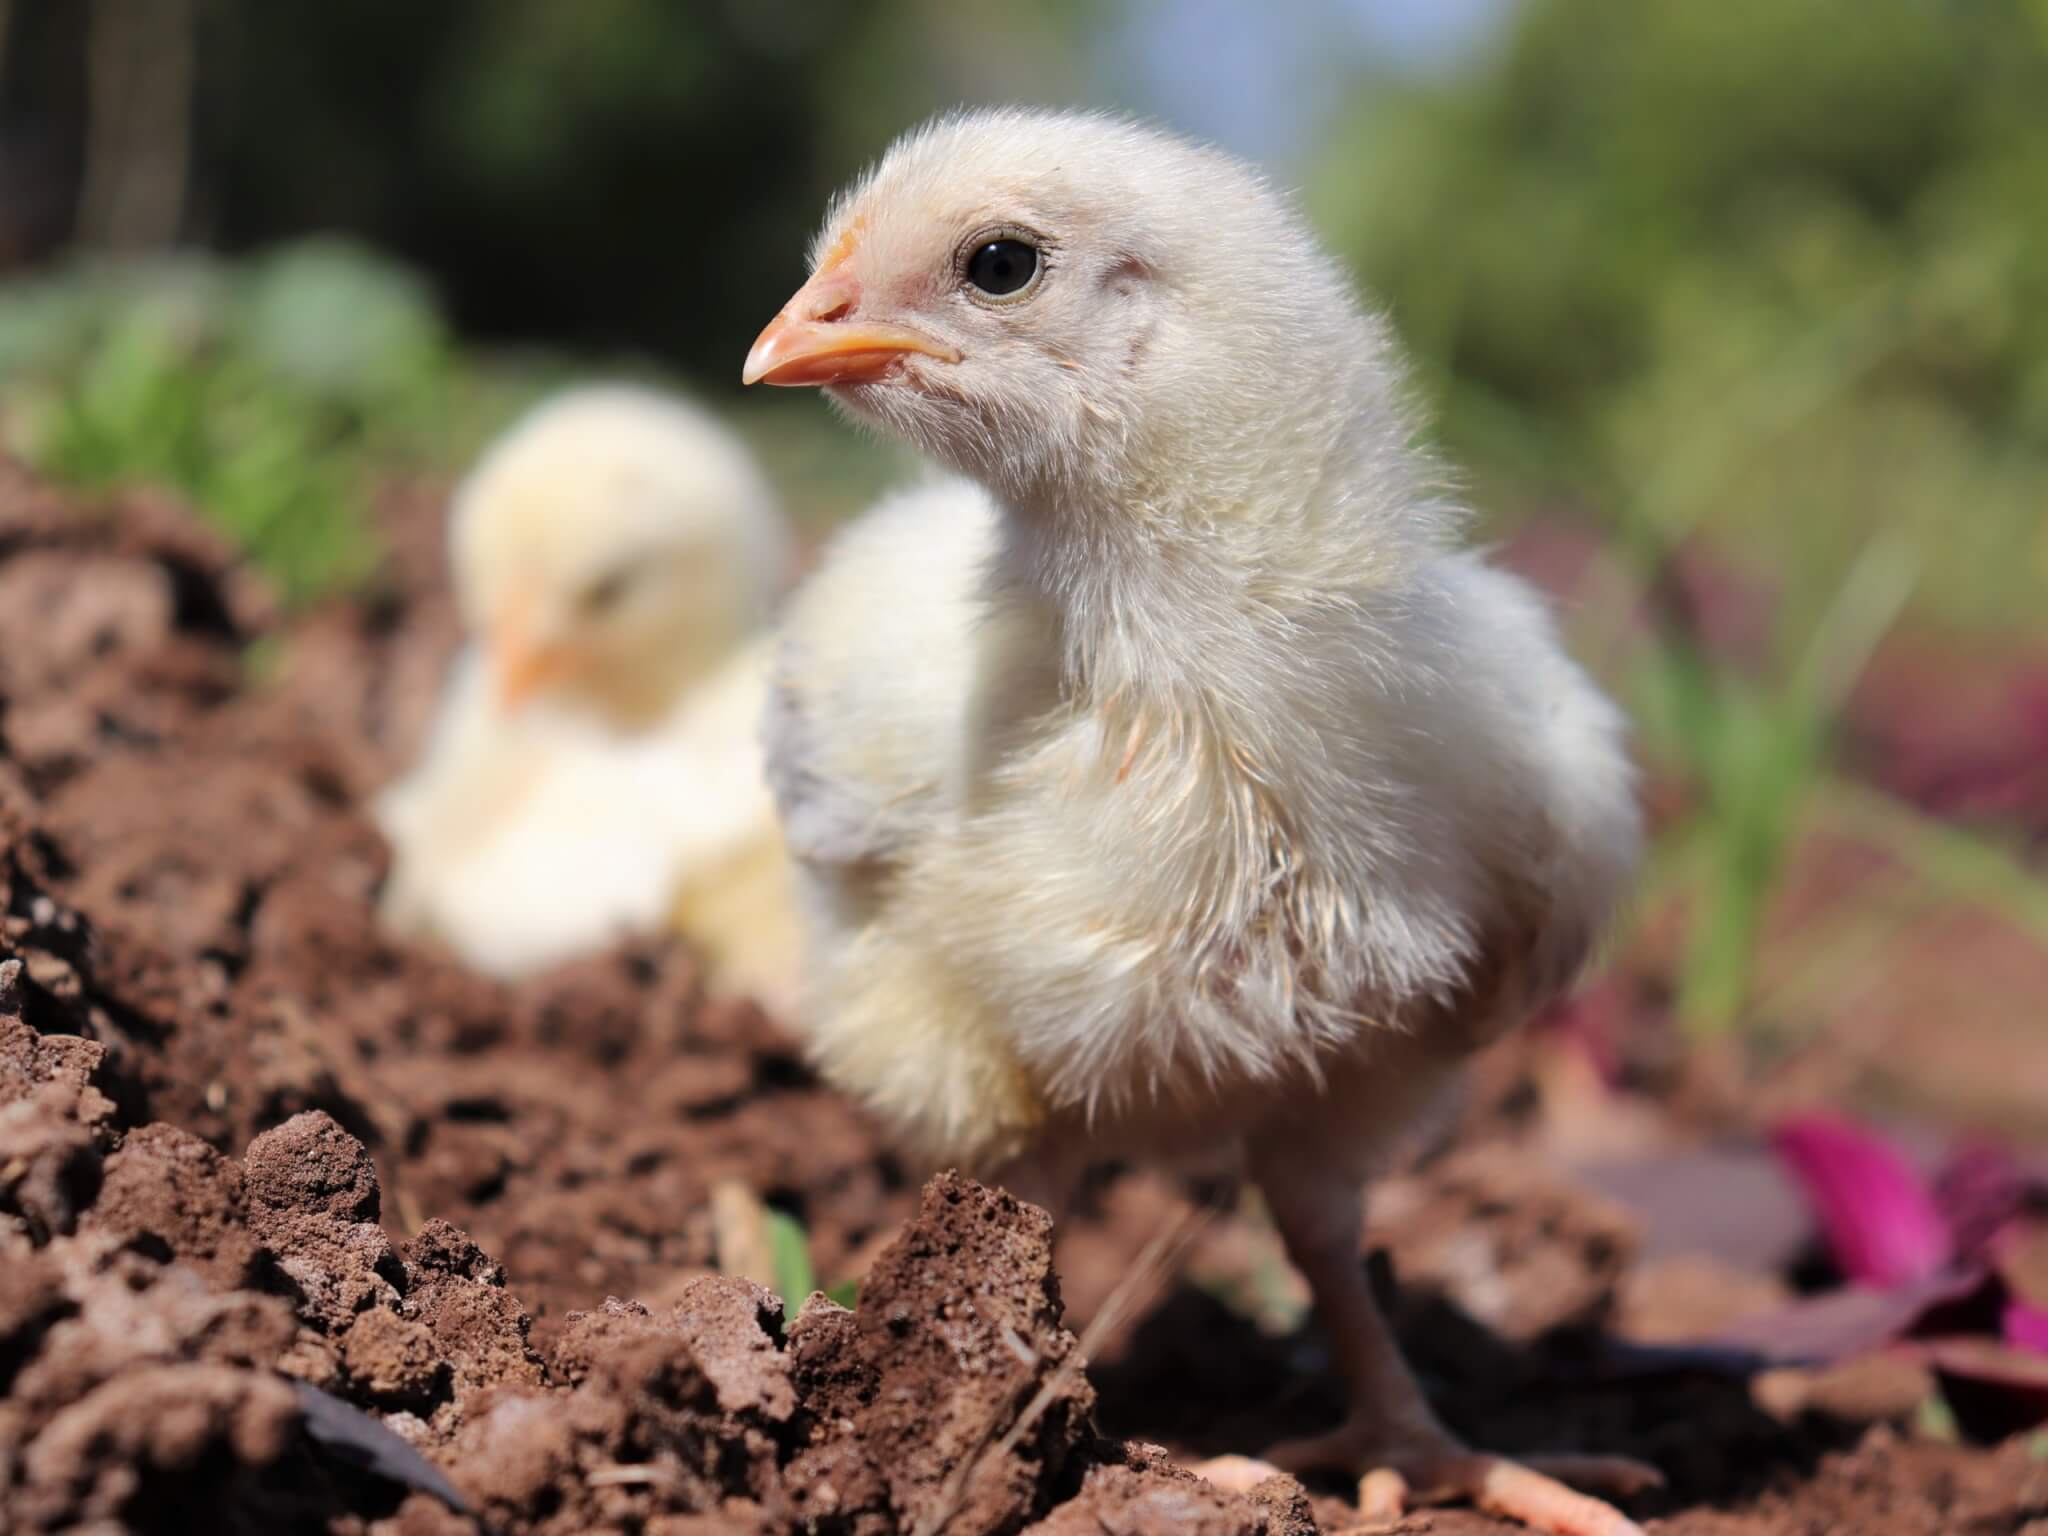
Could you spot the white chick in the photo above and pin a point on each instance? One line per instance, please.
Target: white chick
(1182, 785)
(595, 768)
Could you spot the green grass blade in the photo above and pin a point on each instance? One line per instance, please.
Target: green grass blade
(1952, 858)
(795, 1278)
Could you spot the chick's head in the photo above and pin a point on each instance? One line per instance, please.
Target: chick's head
(1060, 304)
(612, 547)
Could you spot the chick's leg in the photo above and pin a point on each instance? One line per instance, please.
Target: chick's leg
(1390, 1434)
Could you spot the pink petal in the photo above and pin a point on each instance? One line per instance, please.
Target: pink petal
(1876, 1211)
(1979, 1188)
(2026, 1327)
(1589, 1024)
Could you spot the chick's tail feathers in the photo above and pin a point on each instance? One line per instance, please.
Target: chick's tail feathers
(1564, 779)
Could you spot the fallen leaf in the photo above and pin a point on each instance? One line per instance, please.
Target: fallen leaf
(351, 1435)
(1877, 1212)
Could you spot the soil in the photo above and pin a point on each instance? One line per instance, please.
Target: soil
(303, 1229)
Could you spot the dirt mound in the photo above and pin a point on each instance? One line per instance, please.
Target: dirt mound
(237, 977)
(181, 1348)
(301, 1229)
(262, 1343)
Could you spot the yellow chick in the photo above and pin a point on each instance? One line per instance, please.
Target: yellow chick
(595, 769)
(1176, 783)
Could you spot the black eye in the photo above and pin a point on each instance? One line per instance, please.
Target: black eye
(606, 591)
(1002, 267)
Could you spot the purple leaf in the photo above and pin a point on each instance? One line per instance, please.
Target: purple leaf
(1733, 1201)
(1877, 1212)
(1995, 1391)
(1814, 1330)
(1839, 1325)
(1979, 1188)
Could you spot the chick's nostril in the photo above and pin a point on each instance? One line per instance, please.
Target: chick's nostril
(827, 299)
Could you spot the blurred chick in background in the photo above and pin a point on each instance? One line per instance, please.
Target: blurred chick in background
(595, 767)
(1180, 783)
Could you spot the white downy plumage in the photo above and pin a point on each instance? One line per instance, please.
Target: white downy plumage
(595, 761)
(1180, 784)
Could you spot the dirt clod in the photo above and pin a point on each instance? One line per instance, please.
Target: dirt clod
(392, 1360)
(169, 1193)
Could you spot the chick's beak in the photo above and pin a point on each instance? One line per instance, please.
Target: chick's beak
(819, 338)
(520, 669)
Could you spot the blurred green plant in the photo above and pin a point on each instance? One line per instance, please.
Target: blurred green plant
(1764, 280)
(271, 394)
(1758, 278)
(1642, 221)
(1758, 754)
(846, 1294)
(275, 393)
(795, 1277)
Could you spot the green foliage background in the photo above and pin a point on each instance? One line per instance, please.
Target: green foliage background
(1763, 278)
(1776, 269)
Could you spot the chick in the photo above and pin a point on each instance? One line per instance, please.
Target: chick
(595, 768)
(1180, 784)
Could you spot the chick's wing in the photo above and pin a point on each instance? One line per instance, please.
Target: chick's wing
(865, 706)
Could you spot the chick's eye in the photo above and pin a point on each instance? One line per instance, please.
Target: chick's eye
(605, 592)
(1002, 267)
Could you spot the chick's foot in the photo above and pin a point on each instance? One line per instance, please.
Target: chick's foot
(1539, 1492)
(1392, 1436)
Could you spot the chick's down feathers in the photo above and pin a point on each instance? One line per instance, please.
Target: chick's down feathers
(1178, 764)
(1173, 784)
(595, 768)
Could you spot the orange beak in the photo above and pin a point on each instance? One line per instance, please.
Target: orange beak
(819, 339)
(521, 670)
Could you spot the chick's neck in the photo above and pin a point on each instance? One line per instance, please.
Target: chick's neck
(1211, 582)
(1206, 627)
